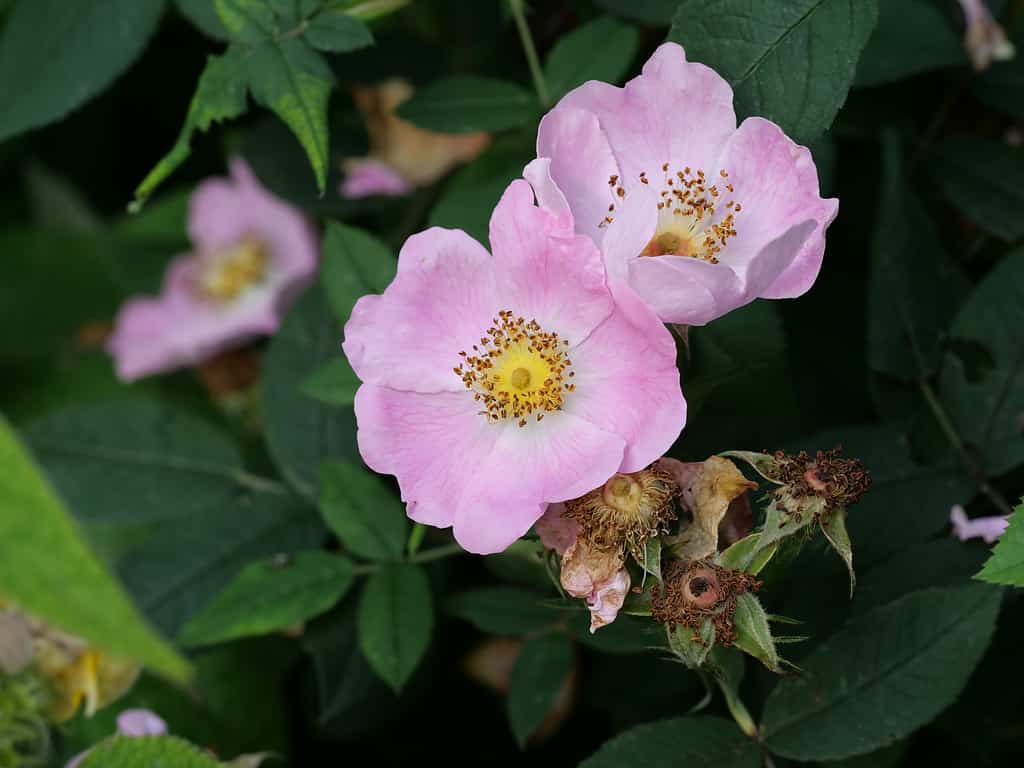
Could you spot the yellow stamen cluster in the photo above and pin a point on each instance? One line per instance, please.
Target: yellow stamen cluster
(225, 274)
(518, 370)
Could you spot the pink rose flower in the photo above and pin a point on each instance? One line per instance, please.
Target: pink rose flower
(253, 255)
(131, 722)
(987, 528)
(493, 386)
(699, 216)
(984, 40)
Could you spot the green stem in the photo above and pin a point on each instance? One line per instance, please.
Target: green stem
(429, 556)
(519, 14)
(416, 538)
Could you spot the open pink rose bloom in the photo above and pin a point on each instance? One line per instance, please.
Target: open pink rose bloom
(253, 254)
(698, 215)
(495, 385)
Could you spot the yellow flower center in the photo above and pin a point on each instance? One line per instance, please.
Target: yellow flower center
(518, 370)
(228, 272)
(695, 218)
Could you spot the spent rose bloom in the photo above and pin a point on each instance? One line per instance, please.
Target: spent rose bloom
(133, 723)
(402, 156)
(253, 254)
(493, 386)
(699, 216)
(984, 39)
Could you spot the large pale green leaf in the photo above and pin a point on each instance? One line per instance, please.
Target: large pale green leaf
(47, 569)
(56, 55)
(985, 180)
(465, 103)
(694, 742)
(890, 55)
(270, 595)
(220, 95)
(502, 610)
(1006, 566)
(985, 404)
(396, 616)
(791, 61)
(354, 263)
(601, 49)
(540, 670)
(293, 80)
(148, 752)
(882, 676)
(203, 14)
(364, 513)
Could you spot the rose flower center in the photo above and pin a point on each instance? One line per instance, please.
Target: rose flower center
(227, 273)
(518, 370)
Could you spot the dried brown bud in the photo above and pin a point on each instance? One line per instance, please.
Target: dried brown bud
(698, 590)
(837, 481)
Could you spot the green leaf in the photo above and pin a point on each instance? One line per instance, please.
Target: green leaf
(985, 180)
(52, 60)
(651, 560)
(913, 287)
(891, 54)
(466, 103)
(301, 432)
(47, 569)
(540, 670)
(248, 21)
(657, 12)
(337, 32)
(1006, 565)
(833, 525)
(909, 659)
(270, 595)
(57, 206)
(396, 616)
(334, 383)
(694, 742)
(148, 752)
(354, 263)
(203, 14)
(363, 512)
(1001, 86)
(601, 49)
(293, 80)
(791, 61)
(220, 95)
(985, 405)
(502, 610)
(753, 635)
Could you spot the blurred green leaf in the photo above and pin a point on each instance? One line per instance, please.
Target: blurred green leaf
(337, 32)
(57, 205)
(540, 670)
(335, 383)
(909, 659)
(248, 21)
(163, 220)
(985, 180)
(293, 80)
(47, 569)
(203, 14)
(601, 49)
(270, 595)
(466, 103)
(913, 287)
(627, 634)
(363, 512)
(912, 36)
(1006, 565)
(791, 61)
(502, 610)
(696, 742)
(354, 263)
(220, 95)
(1001, 86)
(396, 616)
(657, 12)
(986, 404)
(55, 55)
(149, 752)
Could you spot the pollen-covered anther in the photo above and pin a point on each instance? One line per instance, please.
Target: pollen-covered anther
(518, 371)
(226, 273)
(627, 511)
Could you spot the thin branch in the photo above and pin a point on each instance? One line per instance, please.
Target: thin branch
(519, 14)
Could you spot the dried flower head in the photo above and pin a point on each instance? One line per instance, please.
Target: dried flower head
(838, 482)
(697, 590)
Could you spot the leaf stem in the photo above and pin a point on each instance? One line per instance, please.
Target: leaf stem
(519, 14)
(429, 556)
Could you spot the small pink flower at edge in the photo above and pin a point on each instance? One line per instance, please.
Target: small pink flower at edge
(987, 528)
(131, 722)
(699, 216)
(493, 386)
(253, 254)
(984, 39)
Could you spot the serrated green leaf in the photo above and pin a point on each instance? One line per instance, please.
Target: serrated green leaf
(985, 180)
(50, 63)
(354, 263)
(466, 103)
(539, 672)
(270, 595)
(889, 55)
(909, 659)
(396, 616)
(1006, 565)
(694, 742)
(753, 635)
(248, 21)
(335, 383)
(337, 32)
(791, 61)
(291, 79)
(502, 610)
(220, 95)
(363, 512)
(601, 49)
(148, 752)
(47, 569)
